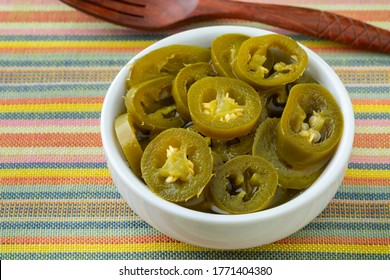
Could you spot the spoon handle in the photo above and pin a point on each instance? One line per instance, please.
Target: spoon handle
(317, 23)
(338, 28)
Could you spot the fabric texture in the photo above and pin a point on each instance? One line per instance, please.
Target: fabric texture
(57, 199)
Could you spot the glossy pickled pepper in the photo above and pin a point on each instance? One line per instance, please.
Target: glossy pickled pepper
(264, 145)
(223, 108)
(177, 164)
(165, 61)
(249, 65)
(187, 76)
(224, 51)
(311, 126)
(151, 105)
(223, 130)
(243, 184)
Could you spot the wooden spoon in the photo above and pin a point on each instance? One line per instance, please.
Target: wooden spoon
(162, 14)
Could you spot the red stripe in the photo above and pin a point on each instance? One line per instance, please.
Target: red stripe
(60, 100)
(40, 179)
(64, 49)
(356, 181)
(50, 140)
(46, 16)
(371, 101)
(372, 140)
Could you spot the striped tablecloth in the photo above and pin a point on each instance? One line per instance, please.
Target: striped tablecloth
(57, 200)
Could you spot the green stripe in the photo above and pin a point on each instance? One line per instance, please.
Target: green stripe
(197, 255)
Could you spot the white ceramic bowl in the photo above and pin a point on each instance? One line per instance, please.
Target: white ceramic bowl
(225, 231)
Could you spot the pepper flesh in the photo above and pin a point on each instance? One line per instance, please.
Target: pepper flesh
(127, 137)
(224, 50)
(177, 164)
(311, 126)
(244, 184)
(223, 108)
(165, 61)
(289, 177)
(249, 65)
(151, 105)
(184, 80)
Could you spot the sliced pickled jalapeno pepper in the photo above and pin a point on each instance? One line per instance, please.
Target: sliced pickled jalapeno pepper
(224, 50)
(232, 148)
(177, 164)
(223, 108)
(183, 81)
(311, 126)
(252, 56)
(244, 184)
(127, 137)
(289, 177)
(165, 61)
(151, 104)
(236, 128)
(273, 101)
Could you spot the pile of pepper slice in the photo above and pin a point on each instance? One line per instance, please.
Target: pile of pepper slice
(236, 128)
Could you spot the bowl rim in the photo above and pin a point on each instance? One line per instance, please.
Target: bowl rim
(338, 160)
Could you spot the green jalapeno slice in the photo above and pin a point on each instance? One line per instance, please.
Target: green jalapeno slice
(311, 126)
(183, 81)
(151, 104)
(165, 61)
(224, 49)
(289, 177)
(177, 164)
(223, 108)
(127, 137)
(243, 184)
(251, 58)
(233, 148)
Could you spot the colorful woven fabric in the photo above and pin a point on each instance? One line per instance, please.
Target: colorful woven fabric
(57, 200)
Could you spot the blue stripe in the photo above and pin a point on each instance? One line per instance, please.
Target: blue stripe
(362, 196)
(73, 225)
(372, 116)
(371, 89)
(355, 60)
(50, 115)
(93, 194)
(369, 166)
(53, 87)
(385, 227)
(55, 165)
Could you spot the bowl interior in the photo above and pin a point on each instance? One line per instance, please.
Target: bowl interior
(114, 105)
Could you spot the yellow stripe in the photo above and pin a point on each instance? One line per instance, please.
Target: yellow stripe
(360, 173)
(372, 129)
(74, 44)
(54, 172)
(41, 108)
(371, 108)
(149, 247)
